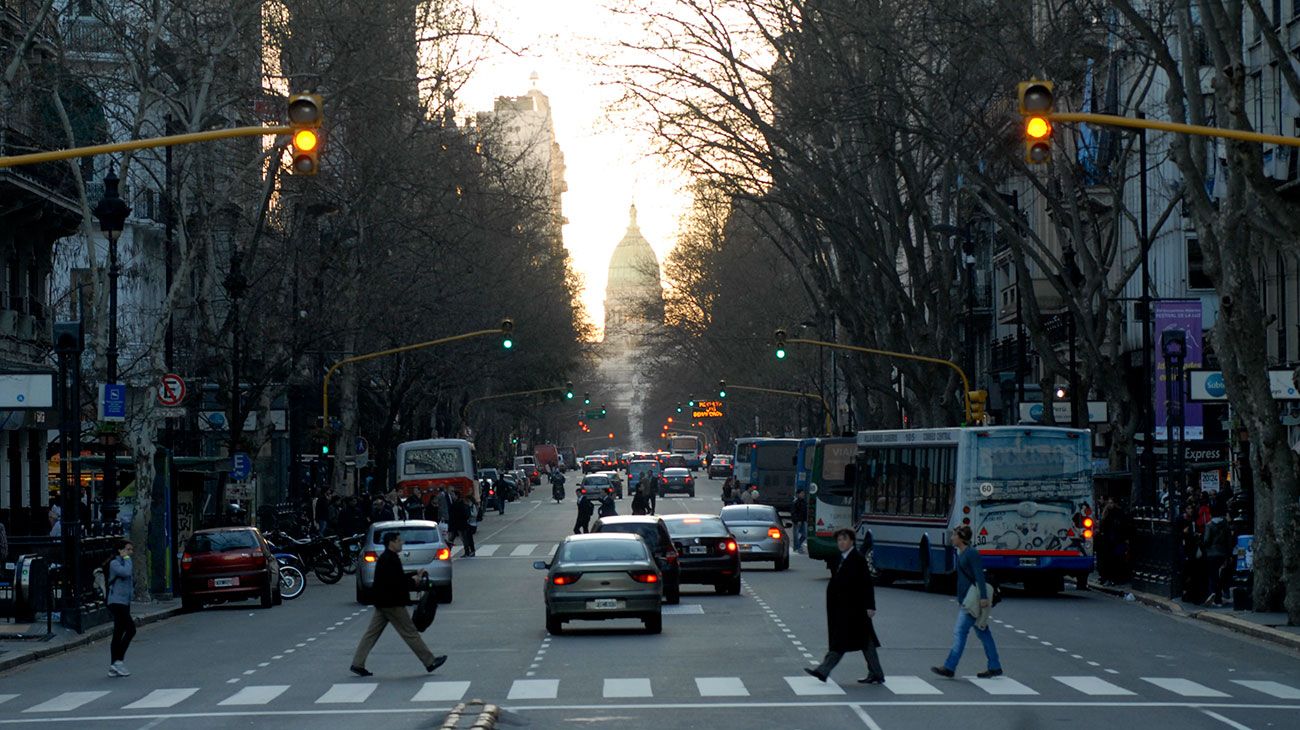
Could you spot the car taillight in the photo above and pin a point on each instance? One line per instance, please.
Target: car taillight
(729, 546)
(774, 533)
(565, 579)
(690, 481)
(370, 556)
(444, 553)
(645, 577)
(186, 560)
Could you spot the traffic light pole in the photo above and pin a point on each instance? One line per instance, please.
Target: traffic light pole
(1114, 120)
(793, 393)
(965, 382)
(464, 411)
(141, 144)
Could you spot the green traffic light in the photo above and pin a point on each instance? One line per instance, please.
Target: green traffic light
(569, 395)
(507, 343)
(722, 394)
(679, 409)
(325, 450)
(692, 404)
(780, 353)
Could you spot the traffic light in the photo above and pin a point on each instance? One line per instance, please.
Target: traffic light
(507, 329)
(568, 390)
(679, 407)
(1062, 392)
(602, 410)
(586, 399)
(1037, 101)
(692, 404)
(722, 389)
(611, 434)
(670, 419)
(306, 112)
(780, 344)
(978, 399)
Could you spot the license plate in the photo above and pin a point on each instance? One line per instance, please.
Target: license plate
(605, 604)
(224, 582)
(699, 550)
(1028, 562)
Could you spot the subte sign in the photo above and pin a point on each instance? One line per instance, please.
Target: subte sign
(707, 409)
(171, 391)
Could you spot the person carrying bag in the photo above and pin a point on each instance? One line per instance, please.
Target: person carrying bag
(975, 608)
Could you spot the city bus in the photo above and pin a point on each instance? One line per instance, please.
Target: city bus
(690, 447)
(769, 464)
(820, 471)
(1025, 492)
(424, 467)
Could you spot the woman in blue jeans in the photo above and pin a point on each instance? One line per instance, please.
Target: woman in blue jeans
(970, 571)
(120, 586)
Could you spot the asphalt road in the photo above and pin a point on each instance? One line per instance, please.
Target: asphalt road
(1074, 660)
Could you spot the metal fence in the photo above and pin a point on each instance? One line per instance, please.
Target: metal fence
(82, 600)
(1154, 552)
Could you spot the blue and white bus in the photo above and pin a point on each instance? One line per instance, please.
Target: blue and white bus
(820, 472)
(1025, 492)
(769, 464)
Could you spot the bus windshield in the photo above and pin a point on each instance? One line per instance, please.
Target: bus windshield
(434, 460)
(1017, 457)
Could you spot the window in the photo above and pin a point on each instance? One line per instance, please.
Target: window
(1196, 276)
(410, 535)
(909, 481)
(588, 551)
(220, 542)
(446, 460)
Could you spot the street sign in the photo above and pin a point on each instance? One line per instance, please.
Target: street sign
(1033, 412)
(707, 409)
(170, 412)
(241, 466)
(171, 391)
(112, 402)
(26, 390)
(1208, 386)
(363, 452)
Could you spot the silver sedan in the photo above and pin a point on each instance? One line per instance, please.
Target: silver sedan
(602, 576)
(759, 533)
(424, 549)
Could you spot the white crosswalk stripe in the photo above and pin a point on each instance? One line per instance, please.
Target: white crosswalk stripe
(1094, 686)
(441, 692)
(1001, 686)
(486, 551)
(627, 688)
(6, 698)
(534, 689)
(161, 698)
(522, 550)
(1275, 689)
(721, 687)
(255, 695)
(806, 686)
(66, 702)
(1184, 687)
(347, 694)
(911, 685)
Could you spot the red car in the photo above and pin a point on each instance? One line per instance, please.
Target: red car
(228, 564)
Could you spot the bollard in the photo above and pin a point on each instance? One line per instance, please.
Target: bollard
(486, 718)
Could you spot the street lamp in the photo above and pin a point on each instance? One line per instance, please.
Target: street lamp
(111, 212)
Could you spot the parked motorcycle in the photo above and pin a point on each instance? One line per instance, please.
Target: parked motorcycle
(321, 554)
(293, 578)
(350, 548)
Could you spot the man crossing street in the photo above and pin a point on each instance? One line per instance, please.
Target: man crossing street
(391, 595)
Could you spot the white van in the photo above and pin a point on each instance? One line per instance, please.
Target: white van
(529, 465)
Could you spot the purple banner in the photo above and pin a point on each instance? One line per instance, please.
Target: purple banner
(1186, 316)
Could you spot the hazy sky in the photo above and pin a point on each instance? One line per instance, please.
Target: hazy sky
(609, 166)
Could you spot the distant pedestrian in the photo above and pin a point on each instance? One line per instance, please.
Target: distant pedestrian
(850, 608)
(970, 572)
(458, 524)
(471, 523)
(750, 496)
(607, 506)
(639, 503)
(585, 510)
(729, 491)
(4, 545)
(1217, 544)
(56, 521)
(799, 516)
(651, 493)
(120, 587)
(392, 589)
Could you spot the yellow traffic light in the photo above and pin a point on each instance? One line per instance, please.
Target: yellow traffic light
(1037, 100)
(978, 400)
(306, 112)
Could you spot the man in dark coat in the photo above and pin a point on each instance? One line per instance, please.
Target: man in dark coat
(585, 510)
(850, 606)
(607, 508)
(391, 594)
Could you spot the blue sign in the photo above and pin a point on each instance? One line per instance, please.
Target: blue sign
(241, 466)
(363, 446)
(1215, 386)
(112, 402)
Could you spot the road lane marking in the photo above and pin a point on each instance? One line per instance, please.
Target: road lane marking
(627, 688)
(1001, 686)
(6, 698)
(683, 609)
(806, 686)
(441, 692)
(534, 689)
(1230, 723)
(486, 551)
(1093, 686)
(66, 702)
(347, 694)
(523, 550)
(1184, 687)
(255, 695)
(721, 687)
(1276, 689)
(864, 717)
(161, 698)
(909, 685)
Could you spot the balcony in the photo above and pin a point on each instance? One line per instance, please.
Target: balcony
(87, 37)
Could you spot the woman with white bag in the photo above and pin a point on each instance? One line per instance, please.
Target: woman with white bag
(976, 598)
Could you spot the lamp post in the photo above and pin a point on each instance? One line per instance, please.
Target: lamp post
(111, 212)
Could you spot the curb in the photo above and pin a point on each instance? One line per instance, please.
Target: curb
(1227, 621)
(89, 637)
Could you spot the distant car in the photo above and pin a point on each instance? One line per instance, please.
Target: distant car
(616, 480)
(708, 551)
(639, 467)
(593, 463)
(603, 576)
(493, 474)
(676, 461)
(678, 480)
(721, 466)
(228, 564)
(651, 529)
(423, 548)
(595, 486)
(523, 483)
(759, 533)
(530, 467)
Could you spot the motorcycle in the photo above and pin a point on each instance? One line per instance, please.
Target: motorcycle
(350, 548)
(320, 554)
(557, 492)
(293, 579)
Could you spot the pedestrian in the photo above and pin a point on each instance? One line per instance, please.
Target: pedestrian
(607, 507)
(470, 525)
(970, 572)
(728, 491)
(799, 516)
(501, 497)
(850, 608)
(639, 502)
(750, 496)
(585, 510)
(1217, 544)
(458, 524)
(651, 493)
(392, 588)
(4, 545)
(444, 509)
(56, 521)
(120, 587)
(1193, 555)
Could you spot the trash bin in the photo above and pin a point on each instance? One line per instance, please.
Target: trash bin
(31, 586)
(1242, 576)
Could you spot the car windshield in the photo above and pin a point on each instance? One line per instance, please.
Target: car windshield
(748, 514)
(696, 527)
(676, 473)
(598, 551)
(220, 542)
(410, 535)
(595, 482)
(648, 532)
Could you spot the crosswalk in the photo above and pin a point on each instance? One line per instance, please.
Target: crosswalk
(496, 550)
(352, 693)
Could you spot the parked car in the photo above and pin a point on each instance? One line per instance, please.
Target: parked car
(759, 533)
(651, 529)
(228, 564)
(678, 480)
(523, 483)
(616, 480)
(596, 577)
(721, 466)
(423, 548)
(530, 467)
(707, 549)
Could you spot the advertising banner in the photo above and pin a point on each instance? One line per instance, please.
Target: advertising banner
(1182, 315)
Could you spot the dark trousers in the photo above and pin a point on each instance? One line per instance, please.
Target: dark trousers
(833, 657)
(123, 631)
(468, 533)
(650, 500)
(580, 526)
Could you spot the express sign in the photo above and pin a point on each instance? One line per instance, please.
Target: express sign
(707, 409)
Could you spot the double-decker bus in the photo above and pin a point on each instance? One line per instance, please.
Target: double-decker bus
(820, 472)
(769, 464)
(424, 467)
(689, 447)
(1025, 492)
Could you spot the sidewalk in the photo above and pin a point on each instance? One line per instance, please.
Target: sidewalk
(15, 652)
(1267, 626)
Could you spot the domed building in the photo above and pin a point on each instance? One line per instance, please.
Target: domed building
(634, 312)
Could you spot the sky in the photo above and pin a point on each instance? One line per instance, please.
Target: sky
(609, 166)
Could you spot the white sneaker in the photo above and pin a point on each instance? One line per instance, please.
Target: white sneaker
(120, 668)
(112, 670)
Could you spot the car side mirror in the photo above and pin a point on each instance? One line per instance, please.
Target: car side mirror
(541, 565)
